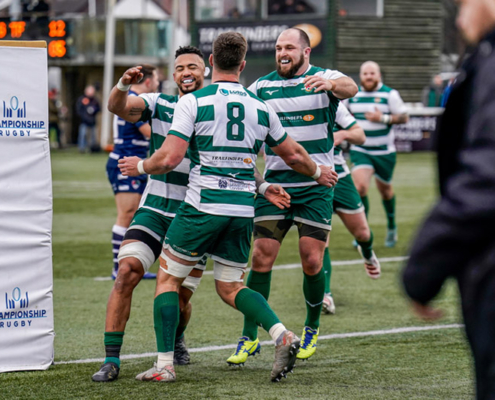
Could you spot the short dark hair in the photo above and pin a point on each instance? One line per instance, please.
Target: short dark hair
(229, 50)
(147, 71)
(188, 50)
(303, 37)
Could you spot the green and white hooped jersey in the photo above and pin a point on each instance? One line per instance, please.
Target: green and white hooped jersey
(307, 117)
(225, 126)
(164, 193)
(379, 137)
(343, 120)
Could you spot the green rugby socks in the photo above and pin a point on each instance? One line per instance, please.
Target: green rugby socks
(366, 205)
(166, 318)
(314, 290)
(259, 282)
(113, 343)
(327, 270)
(367, 247)
(254, 307)
(389, 206)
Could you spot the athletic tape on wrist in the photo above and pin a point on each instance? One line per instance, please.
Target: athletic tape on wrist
(140, 167)
(263, 187)
(122, 87)
(317, 174)
(386, 119)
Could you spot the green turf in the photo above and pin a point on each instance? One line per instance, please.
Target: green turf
(429, 364)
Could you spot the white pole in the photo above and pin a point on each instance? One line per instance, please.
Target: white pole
(108, 73)
(92, 8)
(172, 47)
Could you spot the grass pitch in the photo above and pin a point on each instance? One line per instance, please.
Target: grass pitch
(378, 364)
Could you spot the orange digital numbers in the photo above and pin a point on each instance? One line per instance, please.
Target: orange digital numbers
(3, 30)
(17, 28)
(56, 48)
(56, 28)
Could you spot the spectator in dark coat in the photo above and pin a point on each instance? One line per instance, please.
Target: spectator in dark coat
(87, 108)
(457, 239)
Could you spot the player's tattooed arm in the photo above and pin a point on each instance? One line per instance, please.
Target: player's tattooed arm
(127, 107)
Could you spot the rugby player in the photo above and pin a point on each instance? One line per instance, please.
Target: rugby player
(377, 107)
(224, 126)
(305, 98)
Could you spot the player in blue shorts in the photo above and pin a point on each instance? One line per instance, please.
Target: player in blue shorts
(130, 139)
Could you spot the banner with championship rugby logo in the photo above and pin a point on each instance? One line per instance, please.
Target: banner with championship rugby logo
(26, 205)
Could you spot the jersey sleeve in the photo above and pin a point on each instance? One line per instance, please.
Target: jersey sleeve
(185, 114)
(276, 134)
(150, 100)
(343, 117)
(254, 88)
(331, 74)
(396, 104)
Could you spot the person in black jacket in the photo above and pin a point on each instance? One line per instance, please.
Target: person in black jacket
(457, 239)
(87, 108)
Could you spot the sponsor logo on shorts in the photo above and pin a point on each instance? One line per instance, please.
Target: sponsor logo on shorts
(308, 117)
(184, 251)
(135, 184)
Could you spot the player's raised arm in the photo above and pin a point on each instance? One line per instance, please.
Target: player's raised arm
(342, 88)
(127, 107)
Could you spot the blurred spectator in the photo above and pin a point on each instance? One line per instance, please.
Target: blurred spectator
(289, 7)
(446, 92)
(234, 13)
(432, 94)
(87, 108)
(54, 106)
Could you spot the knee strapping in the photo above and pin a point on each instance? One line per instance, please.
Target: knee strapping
(138, 250)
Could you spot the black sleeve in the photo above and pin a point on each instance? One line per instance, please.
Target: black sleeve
(461, 225)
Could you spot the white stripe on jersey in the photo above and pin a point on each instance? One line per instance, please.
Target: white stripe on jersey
(167, 190)
(303, 133)
(372, 126)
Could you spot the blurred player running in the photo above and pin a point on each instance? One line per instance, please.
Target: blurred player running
(305, 98)
(347, 203)
(224, 127)
(377, 107)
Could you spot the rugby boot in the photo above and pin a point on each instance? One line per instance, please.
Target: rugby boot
(391, 238)
(181, 355)
(371, 265)
(328, 304)
(286, 348)
(245, 348)
(308, 343)
(165, 374)
(108, 372)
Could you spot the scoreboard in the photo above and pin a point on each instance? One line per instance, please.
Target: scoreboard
(54, 32)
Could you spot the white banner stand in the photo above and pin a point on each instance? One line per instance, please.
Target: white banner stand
(26, 208)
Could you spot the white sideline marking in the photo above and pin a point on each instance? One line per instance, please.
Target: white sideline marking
(270, 342)
(295, 266)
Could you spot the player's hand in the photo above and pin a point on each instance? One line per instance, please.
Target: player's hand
(276, 195)
(375, 116)
(128, 166)
(426, 312)
(132, 76)
(328, 177)
(338, 137)
(318, 83)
